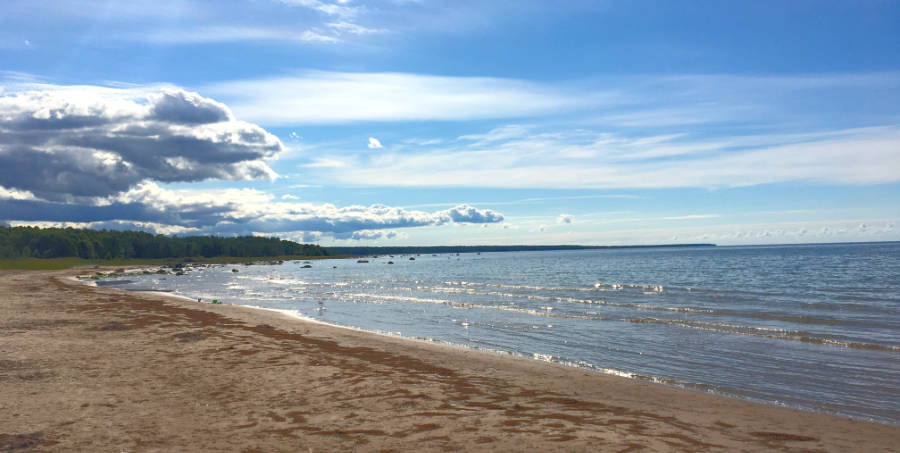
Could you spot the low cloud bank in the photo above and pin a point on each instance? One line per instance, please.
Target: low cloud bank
(149, 207)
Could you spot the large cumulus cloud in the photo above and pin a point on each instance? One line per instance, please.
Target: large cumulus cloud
(74, 143)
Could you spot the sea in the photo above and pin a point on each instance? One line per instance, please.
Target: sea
(813, 327)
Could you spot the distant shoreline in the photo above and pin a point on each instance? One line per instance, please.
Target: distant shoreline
(405, 250)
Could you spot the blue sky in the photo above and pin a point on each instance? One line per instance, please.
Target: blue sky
(418, 122)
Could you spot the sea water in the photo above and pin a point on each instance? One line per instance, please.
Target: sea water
(815, 327)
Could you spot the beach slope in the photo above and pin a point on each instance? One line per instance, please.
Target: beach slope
(96, 369)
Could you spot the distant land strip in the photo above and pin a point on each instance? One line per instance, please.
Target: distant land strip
(365, 251)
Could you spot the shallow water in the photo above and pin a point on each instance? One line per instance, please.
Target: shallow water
(812, 326)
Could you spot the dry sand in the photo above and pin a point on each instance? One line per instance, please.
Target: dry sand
(96, 369)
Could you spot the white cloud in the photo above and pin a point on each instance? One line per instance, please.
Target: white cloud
(316, 97)
(565, 219)
(214, 34)
(71, 142)
(325, 163)
(374, 143)
(328, 8)
(353, 29)
(13, 194)
(423, 142)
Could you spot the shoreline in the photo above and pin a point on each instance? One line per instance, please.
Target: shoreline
(295, 315)
(91, 368)
(810, 406)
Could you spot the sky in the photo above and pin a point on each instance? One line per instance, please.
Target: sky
(425, 122)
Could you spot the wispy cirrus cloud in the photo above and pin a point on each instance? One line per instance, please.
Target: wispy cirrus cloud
(584, 160)
(336, 8)
(657, 102)
(318, 97)
(223, 33)
(191, 22)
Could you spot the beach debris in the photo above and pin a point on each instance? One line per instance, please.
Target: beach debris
(235, 270)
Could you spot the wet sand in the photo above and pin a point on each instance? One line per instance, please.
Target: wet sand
(97, 369)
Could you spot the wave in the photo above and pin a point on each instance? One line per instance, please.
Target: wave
(466, 305)
(775, 316)
(573, 300)
(765, 332)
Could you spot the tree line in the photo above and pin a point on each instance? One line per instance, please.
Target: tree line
(34, 242)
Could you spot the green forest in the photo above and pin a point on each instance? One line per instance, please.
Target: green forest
(33, 242)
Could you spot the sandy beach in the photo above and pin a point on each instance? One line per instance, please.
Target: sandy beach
(96, 369)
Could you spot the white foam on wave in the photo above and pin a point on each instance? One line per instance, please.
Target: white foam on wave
(656, 291)
(542, 311)
(508, 286)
